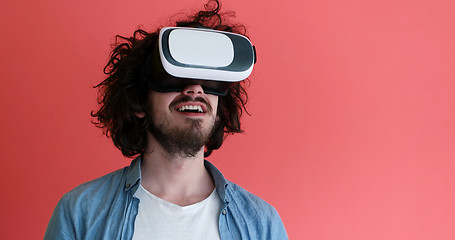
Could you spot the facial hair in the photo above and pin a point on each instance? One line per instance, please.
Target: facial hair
(181, 140)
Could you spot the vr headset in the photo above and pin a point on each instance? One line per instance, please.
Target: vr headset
(210, 58)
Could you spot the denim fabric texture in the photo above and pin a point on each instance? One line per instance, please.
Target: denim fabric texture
(105, 208)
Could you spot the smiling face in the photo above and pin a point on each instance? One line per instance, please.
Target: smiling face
(181, 122)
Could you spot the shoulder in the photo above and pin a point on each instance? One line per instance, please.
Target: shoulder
(109, 184)
(98, 185)
(86, 205)
(249, 203)
(95, 192)
(96, 198)
(241, 196)
(256, 214)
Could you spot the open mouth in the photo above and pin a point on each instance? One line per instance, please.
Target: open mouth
(191, 109)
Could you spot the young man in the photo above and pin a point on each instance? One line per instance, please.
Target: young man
(172, 106)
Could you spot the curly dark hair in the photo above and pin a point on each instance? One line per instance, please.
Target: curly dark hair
(124, 92)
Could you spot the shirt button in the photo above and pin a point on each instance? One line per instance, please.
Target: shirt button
(127, 185)
(224, 212)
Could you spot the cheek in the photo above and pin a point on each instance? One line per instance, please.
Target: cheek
(214, 103)
(161, 101)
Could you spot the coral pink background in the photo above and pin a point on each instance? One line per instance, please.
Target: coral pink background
(352, 133)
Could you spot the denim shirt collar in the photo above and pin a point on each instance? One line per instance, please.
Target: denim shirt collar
(133, 175)
(220, 182)
(133, 178)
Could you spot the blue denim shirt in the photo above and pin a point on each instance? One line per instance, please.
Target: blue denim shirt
(106, 209)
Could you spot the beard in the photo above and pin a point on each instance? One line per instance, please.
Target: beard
(185, 140)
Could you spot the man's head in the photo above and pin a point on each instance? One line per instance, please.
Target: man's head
(131, 111)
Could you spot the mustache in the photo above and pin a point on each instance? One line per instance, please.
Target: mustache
(190, 99)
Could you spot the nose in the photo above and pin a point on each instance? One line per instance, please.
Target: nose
(193, 90)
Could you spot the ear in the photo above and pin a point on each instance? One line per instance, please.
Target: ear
(140, 114)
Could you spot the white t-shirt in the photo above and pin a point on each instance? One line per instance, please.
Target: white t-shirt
(160, 219)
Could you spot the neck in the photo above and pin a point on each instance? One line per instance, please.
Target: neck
(176, 179)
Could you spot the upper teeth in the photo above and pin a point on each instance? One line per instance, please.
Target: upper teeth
(190, 107)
